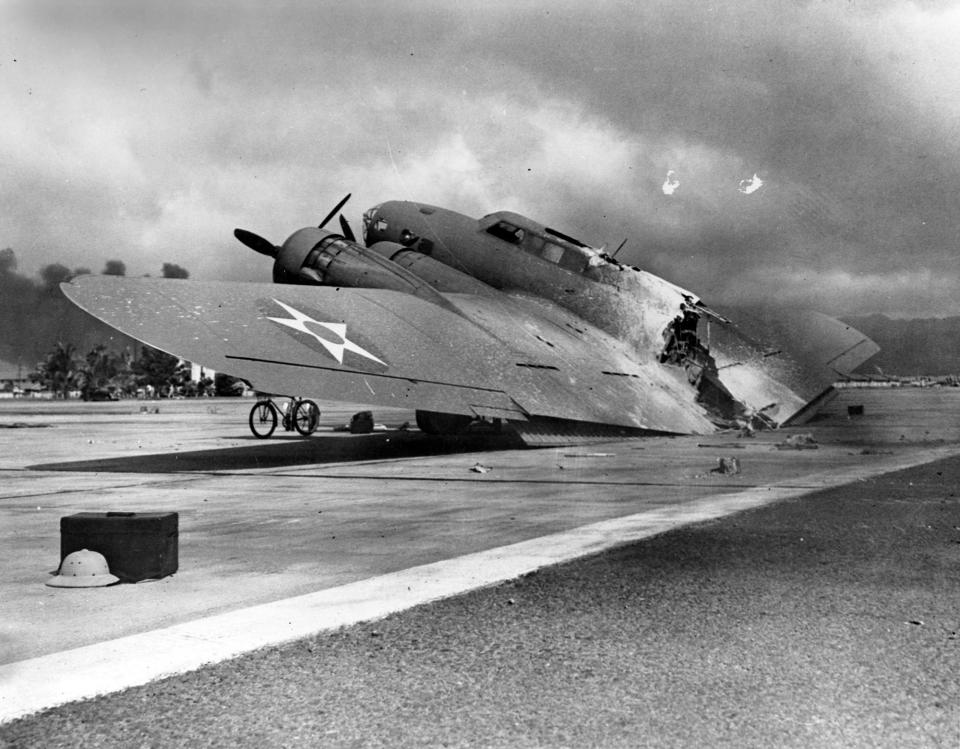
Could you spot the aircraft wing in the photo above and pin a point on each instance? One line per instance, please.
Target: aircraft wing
(497, 357)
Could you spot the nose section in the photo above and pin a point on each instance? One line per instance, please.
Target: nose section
(373, 225)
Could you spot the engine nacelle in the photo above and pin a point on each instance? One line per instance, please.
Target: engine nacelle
(317, 256)
(439, 275)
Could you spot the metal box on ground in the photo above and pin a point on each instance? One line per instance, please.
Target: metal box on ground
(137, 545)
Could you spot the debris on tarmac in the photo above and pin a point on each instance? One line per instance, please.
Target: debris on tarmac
(727, 466)
(798, 442)
(361, 423)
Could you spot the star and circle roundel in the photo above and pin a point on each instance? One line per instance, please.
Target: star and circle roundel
(330, 338)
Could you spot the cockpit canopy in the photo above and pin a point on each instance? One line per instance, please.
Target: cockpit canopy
(542, 241)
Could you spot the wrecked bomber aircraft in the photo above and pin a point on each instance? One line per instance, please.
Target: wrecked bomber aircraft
(499, 318)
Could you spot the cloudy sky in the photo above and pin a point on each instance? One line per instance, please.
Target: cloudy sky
(146, 131)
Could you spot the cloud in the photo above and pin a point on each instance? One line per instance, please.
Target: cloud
(148, 131)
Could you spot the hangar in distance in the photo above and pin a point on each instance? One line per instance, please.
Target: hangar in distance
(498, 318)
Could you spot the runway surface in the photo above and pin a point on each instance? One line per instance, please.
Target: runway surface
(262, 522)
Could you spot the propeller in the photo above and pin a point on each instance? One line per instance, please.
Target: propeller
(256, 243)
(336, 208)
(346, 230)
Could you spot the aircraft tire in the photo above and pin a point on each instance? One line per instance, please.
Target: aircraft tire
(433, 422)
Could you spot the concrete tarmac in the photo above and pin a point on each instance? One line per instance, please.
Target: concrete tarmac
(265, 521)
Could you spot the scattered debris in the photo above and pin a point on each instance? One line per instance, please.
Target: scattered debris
(361, 423)
(481, 468)
(798, 442)
(727, 466)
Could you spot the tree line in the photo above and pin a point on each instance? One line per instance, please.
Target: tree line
(52, 275)
(106, 374)
(67, 351)
(35, 316)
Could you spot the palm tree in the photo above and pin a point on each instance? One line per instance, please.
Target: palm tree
(101, 368)
(59, 371)
(161, 371)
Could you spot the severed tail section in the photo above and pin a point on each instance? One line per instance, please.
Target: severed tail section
(784, 362)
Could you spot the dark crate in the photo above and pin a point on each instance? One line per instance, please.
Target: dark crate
(137, 545)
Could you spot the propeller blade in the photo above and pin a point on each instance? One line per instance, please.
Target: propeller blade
(346, 230)
(334, 211)
(256, 243)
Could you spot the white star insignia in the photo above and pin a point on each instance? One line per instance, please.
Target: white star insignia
(299, 321)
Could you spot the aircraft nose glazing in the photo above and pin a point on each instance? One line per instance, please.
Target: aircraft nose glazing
(370, 225)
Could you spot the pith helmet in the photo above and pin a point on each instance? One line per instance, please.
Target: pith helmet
(83, 569)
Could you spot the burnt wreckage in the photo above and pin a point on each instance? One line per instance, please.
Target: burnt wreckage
(497, 318)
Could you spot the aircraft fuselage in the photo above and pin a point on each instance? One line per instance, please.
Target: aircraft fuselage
(517, 255)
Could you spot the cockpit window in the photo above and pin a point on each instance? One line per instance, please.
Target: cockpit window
(547, 244)
(507, 232)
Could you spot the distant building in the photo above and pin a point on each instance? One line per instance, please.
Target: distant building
(15, 380)
(198, 372)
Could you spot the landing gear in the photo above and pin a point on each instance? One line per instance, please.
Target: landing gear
(433, 422)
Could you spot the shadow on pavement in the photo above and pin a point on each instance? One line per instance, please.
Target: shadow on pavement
(314, 450)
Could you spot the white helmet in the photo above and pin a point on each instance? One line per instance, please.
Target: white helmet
(83, 569)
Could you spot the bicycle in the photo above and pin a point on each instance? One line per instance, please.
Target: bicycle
(300, 414)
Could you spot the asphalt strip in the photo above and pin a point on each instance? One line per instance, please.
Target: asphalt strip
(38, 683)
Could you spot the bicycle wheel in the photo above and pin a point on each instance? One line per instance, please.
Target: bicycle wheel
(263, 419)
(306, 416)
